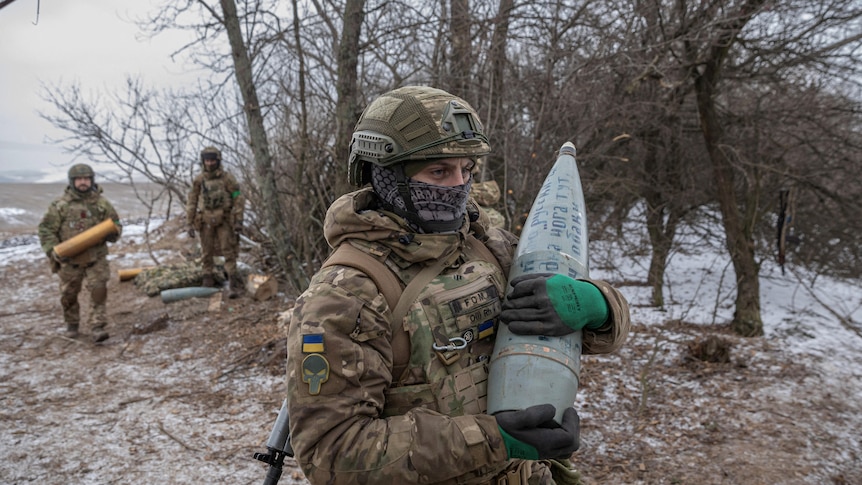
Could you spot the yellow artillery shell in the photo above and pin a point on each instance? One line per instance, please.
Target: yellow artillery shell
(87, 239)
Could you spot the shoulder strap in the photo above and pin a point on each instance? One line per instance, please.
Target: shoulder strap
(349, 255)
(479, 246)
(389, 285)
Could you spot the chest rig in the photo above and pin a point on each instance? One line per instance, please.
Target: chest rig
(76, 216)
(443, 323)
(214, 194)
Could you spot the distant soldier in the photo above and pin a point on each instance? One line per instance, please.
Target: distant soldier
(80, 208)
(215, 209)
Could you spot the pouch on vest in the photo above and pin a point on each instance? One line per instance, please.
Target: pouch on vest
(213, 217)
(461, 393)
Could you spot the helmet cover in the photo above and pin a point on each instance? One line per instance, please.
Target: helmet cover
(414, 123)
(81, 170)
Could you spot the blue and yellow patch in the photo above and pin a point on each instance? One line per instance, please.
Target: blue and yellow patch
(486, 329)
(312, 344)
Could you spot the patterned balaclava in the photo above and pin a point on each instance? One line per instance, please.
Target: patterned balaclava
(428, 208)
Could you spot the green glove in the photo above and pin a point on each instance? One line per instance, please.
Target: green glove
(553, 304)
(532, 434)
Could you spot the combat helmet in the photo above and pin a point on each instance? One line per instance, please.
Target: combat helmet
(80, 170)
(413, 123)
(211, 153)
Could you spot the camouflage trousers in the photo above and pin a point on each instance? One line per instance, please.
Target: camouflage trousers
(95, 275)
(220, 236)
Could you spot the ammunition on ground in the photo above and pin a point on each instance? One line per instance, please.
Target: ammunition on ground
(526, 370)
(177, 294)
(128, 273)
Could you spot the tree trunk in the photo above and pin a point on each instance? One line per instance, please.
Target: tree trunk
(347, 106)
(258, 141)
(740, 242)
(492, 115)
(461, 60)
(306, 242)
(662, 219)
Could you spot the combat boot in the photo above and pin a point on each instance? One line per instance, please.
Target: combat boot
(208, 281)
(99, 335)
(71, 331)
(236, 287)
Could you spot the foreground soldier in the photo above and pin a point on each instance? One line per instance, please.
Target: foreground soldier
(215, 208)
(79, 208)
(392, 390)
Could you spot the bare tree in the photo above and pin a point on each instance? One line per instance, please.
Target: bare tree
(347, 105)
(140, 133)
(259, 144)
(743, 46)
(662, 99)
(459, 75)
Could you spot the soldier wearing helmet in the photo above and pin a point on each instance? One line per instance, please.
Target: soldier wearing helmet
(388, 347)
(215, 208)
(80, 208)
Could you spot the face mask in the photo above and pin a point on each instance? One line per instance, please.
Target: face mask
(436, 208)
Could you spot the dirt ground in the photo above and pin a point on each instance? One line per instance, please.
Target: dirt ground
(187, 392)
(184, 392)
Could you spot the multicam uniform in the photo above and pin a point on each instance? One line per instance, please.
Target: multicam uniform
(215, 207)
(352, 420)
(73, 213)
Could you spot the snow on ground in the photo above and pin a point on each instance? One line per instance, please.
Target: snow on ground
(165, 405)
(812, 348)
(810, 360)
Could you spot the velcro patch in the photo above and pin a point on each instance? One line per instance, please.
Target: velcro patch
(486, 329)
(313, 344)
(315, 371)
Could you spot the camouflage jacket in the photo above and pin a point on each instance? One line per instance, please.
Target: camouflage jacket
(354, 422)
(215, 195)
(73, 213)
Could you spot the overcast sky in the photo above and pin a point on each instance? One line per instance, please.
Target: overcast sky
(91, 42)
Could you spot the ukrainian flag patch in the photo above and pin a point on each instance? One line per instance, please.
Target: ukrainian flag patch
(312, 344)
(486, 329)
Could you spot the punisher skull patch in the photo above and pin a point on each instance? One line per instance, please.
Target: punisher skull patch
(315, 371)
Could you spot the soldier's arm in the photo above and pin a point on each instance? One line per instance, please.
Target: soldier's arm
(192, 201)
(612, 335)
(238, 200)
(111, 213)
(339, 365)
(49, 229)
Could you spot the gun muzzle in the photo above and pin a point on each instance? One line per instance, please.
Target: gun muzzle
(279, 438)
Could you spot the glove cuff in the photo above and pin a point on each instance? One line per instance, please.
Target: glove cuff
(578, 303)
(516, 448)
